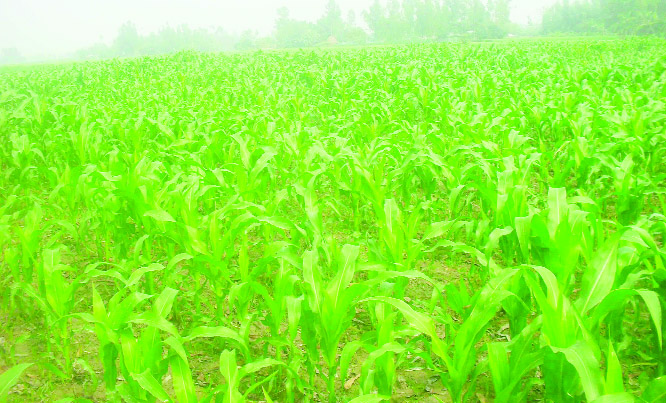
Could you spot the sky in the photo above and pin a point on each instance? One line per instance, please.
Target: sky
(56, 27)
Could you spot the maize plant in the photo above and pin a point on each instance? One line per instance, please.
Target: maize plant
(450, 222)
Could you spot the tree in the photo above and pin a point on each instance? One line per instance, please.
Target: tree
(418, 19)
(331, 23)
(291, 33)
(626, 17)
(11, 56)
(500, 14)
(352, 32)
(391, 24)
(374, 17)
(247, 40)
(400, 26)
(430, 17)
(127, 41)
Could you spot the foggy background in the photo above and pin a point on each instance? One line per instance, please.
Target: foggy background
(34, 30)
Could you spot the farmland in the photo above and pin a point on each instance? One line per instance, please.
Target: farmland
(450, 222)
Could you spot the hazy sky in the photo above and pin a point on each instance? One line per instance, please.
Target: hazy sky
(52, 27)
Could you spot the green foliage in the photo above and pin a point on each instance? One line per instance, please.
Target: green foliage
(412, 20)
(9, 378)
(626, 17)
(484, 220)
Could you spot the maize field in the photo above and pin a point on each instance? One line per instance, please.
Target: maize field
(455, 222)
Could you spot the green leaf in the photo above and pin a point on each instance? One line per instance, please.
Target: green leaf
(54, 370)
(159, 215)
(499, 365)
(438, 229)
(614, 382)
(255, 366)
(293, 314)
(152, 319)
(109, 354)
(346, 356)
(523, 227)
(150, 384)
(494, 239)
(266, 396)
(183, 384)
(164, 302)
(312, 277)
(421, 322)
(86, 367)
(369, 398)
(599, 276)
(177, 259)
(121, 312)
(653, 304)
(622, 397)
(617, 298)
(177, 346)
(655, 391)
(557, 209)
(229, 370)
(10, 377)
(218, 331)
(278, 222)
(580, 355)
(393, 347)
(228, 367)
(92, 272)
(131, 355)
(137, 274)
(345, 273)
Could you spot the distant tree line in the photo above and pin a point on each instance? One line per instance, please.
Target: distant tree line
(624, 17)
(414, 20)
(391, 21)
(129, 42)
(396, 21)
(399, 21)
(331, 28)
(11, 56)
